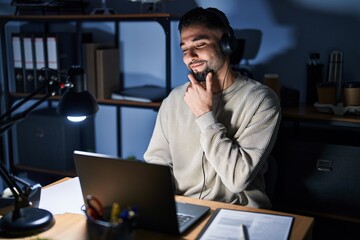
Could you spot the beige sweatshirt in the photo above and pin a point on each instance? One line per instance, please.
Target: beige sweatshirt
(236, 141)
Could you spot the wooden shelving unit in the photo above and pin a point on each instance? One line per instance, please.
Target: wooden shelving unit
(10, 96)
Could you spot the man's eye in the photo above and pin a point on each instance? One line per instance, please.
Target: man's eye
(184, 50)
(200, 45)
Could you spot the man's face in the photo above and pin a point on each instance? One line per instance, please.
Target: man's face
(201, 50)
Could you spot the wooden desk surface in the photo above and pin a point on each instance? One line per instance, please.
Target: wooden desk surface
(73, 226)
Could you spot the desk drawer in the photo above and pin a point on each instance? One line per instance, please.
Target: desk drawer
(320, 177)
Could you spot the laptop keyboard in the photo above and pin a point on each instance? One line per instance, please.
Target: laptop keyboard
(183, 218)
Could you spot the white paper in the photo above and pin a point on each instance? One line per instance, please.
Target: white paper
(238, 225)
(64, 197)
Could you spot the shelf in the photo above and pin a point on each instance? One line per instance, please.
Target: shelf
(153, 105)
(86, 17)
(305, 112)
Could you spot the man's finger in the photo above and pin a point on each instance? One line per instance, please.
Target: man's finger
(192, 78)
(209, 82)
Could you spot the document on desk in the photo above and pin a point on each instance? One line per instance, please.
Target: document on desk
(241, 225)
(64, 197)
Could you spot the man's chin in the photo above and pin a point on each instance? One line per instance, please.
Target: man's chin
(200, 76)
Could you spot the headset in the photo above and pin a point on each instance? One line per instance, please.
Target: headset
(228, 42)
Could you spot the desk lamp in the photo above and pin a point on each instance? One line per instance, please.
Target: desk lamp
(76, 103)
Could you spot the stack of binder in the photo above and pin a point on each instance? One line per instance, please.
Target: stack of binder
(32, 52)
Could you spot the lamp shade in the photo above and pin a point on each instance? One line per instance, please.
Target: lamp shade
(77, 104)
(77, 101)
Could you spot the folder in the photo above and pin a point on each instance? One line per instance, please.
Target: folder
(29, 63)
(39, 44)
(89, 50)
(18, 63)
(107, 72)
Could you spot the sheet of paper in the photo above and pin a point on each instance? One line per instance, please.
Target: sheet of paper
(238, 225)
(65, 197)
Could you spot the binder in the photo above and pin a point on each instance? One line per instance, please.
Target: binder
(39, 46)
(29, 63)
(52, 58)
(60, 54)
(18, 63)
(107, 72)
(89, 50)
(66, 51)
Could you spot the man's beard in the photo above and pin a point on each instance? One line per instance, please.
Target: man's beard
(201, 76)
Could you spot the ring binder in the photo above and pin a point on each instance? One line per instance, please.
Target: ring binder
(17, 63)
(29, 64)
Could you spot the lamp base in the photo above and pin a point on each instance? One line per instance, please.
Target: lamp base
(31, 221)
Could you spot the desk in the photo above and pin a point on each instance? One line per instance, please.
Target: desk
(73, 226)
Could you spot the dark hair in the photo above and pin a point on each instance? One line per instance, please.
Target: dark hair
(211, 18)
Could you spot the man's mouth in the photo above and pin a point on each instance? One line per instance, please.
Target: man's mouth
(196, 64)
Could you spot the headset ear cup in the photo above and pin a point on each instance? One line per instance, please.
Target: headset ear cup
(228, 44)
(225, 44)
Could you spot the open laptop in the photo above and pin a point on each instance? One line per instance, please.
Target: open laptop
(147, 186)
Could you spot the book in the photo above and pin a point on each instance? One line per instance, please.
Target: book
(89, 51)
(238, 225)
(145, 93)
(107, 72)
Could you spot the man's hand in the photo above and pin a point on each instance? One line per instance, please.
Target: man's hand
(199, 97)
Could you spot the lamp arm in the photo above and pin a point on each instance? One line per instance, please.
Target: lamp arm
(51, 87)
(22, 102)
(21, 199)
(5, 125)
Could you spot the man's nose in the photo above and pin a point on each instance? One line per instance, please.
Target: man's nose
(192, 55)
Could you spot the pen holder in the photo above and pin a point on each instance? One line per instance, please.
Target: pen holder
(102, 229)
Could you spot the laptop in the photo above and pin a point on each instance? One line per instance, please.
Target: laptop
(147, 186)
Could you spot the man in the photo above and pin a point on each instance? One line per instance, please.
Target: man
(216, 131)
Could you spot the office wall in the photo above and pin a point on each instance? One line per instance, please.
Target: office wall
(287, 32)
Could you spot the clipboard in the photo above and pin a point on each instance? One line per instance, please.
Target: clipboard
(246, 225)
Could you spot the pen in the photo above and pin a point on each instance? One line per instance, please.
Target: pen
(94, 208)
(128, 213)
(115, 210)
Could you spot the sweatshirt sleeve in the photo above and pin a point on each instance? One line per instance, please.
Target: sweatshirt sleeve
(158, 151)
(238, 159)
